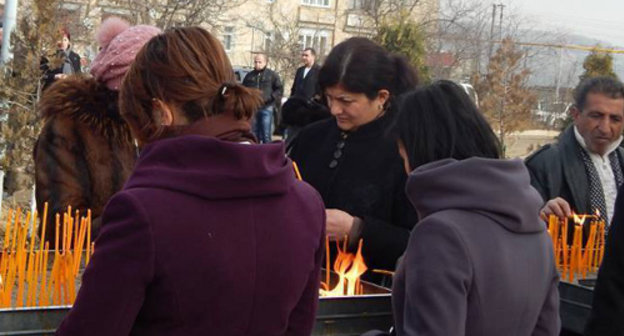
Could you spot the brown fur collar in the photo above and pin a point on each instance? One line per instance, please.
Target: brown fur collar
(85, 100)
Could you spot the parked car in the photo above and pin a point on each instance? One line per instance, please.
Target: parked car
(241, 72)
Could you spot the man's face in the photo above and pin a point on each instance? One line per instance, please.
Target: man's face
(307, 58)
(600, 122)
(259, 62)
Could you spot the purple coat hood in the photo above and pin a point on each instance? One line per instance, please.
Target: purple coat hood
(213, 169)
(481, 185)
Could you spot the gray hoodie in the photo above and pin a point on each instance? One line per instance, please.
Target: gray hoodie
(480, 261)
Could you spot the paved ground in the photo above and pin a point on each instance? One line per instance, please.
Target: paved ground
(524, 143)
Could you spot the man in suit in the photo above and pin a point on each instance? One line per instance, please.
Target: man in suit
(584, 170)
(307, 76)
(304, 86)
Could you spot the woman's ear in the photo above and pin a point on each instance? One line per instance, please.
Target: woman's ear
(383, 95)
(163, 112)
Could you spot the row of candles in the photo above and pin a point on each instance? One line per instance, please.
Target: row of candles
(575, 259)
(26, 279)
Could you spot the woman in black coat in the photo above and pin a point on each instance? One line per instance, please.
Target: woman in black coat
(351, 162)
(69, 62)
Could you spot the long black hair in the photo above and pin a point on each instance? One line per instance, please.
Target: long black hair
(440, 121)
(362, 66)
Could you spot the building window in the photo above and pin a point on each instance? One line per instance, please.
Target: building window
(228, 38)
(315, 39)
(322, 3)
(268, 41)
(363, 4)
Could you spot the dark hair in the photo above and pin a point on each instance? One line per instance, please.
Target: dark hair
(311, 50)
(188, 68)
(362, 66)
(440, 121)
(608, 86)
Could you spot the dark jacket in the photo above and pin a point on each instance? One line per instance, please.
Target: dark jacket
(306, 87)
(300, 112)
(608, 306)
(479, 261)
(194, 245)
(269, 84)
(84, 152)
(368, 182)
(557, 170)
(49, 73)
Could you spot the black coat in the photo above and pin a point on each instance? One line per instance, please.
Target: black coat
(368, 182)
(608, 306)
(268, 82)
(306, 87)
(557, 170)
(49, 73)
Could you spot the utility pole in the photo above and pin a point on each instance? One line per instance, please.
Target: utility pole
(492, 32)
(558, 84)
(10, 17)
(500, 22)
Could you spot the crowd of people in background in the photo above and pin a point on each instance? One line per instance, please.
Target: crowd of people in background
(197, 204)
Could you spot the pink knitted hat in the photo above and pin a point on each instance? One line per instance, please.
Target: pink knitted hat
(119, 43)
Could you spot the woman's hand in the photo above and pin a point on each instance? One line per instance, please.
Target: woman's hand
(338, 224)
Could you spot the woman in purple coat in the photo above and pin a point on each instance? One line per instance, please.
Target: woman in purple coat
(479, 261)
(211, 235)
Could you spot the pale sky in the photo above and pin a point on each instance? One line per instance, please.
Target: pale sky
(599, 19)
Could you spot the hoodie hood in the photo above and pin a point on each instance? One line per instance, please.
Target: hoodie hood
(499, 189)
(213, 169)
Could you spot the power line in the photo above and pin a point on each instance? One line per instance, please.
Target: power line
(571, 47)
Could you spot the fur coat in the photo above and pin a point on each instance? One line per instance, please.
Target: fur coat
(85, 151)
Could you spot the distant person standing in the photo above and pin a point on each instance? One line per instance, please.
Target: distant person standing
(270, 85)
(70, 61)
(306, 78)
(304, 88)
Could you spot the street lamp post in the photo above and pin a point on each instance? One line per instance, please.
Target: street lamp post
(10, 18)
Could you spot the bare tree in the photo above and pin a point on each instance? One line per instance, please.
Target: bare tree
(20, 88)
(504, 94)
(282, 43)
(168, 13)
(382, 11)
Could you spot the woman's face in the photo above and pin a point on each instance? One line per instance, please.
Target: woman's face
(64, 43)
(353, 110)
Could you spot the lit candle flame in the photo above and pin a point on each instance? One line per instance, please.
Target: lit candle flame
(579, 219)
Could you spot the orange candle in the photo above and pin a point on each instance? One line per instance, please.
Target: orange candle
(556, 240)
(552, 222)
(18, 216)
(44, 294)
(56, 232)
(564, 237)
(589, 247)
(44, 221)
(297, 173)
(602, 241)
(327, 258)
(89, 246)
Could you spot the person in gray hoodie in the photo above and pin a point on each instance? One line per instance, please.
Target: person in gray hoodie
(479, 261)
